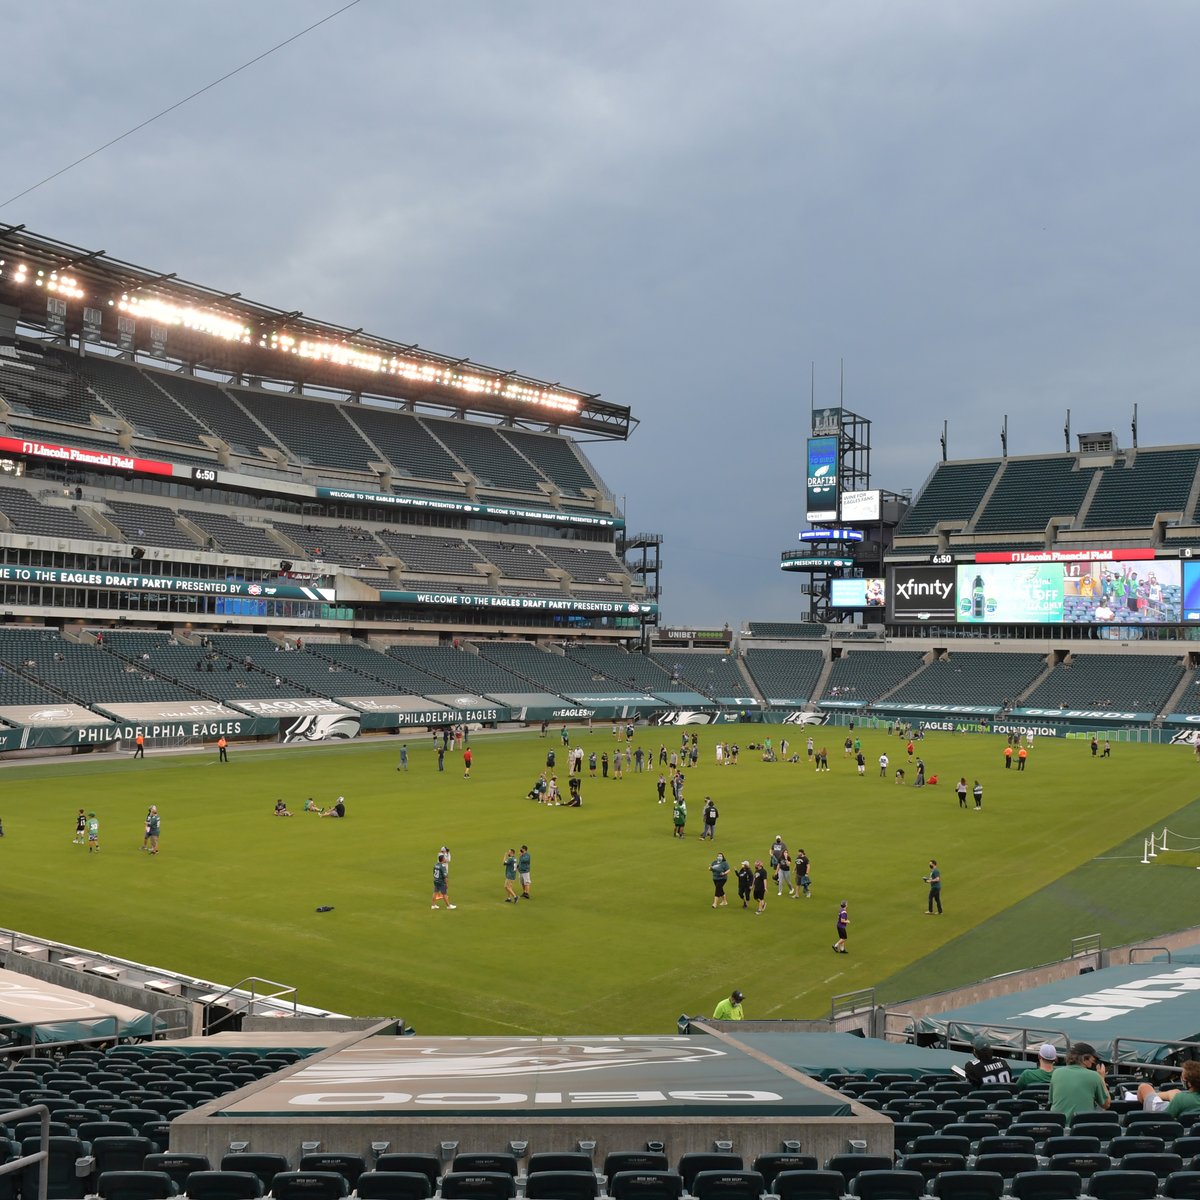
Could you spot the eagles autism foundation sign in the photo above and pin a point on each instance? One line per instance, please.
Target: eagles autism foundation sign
(619, 1076)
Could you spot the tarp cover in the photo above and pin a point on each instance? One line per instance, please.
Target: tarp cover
(823, 1054)
(506, 1078)
(1148, 1006)
(57, 1014)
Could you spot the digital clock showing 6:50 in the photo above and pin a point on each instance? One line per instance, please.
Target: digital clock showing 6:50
(204, 475)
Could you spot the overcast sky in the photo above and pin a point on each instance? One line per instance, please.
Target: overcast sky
(985, 207)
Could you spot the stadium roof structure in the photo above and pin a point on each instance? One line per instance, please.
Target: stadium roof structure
(67, 290)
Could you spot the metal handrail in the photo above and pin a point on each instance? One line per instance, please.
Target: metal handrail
(181, 1023)
(40, 1157)
(238, 990)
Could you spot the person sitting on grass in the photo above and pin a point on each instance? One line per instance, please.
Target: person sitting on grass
(311, 806)
(281, 809)
(338, 809)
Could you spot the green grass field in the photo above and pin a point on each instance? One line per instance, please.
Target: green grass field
(620, 936)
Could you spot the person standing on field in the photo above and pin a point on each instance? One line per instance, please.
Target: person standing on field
(720, 873)
(510, 877)
(934, 879)
(523, 863)
(843, 927)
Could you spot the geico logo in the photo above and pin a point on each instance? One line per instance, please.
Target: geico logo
(354, 1099)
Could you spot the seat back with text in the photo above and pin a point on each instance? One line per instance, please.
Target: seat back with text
(478, 1185)
(645, 1185)
(309, 1185)
(727, 1185)
(393, 1185)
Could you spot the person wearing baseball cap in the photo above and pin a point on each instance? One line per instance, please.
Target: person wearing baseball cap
(987, 1066)
(1039, 1076)
(1079, 1084)
(731, 1009)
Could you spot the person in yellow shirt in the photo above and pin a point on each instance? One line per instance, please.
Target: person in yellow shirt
(729, 1009)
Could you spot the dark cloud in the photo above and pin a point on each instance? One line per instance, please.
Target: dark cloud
(985, 209)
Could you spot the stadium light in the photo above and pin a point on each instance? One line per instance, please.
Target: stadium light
(185, 316)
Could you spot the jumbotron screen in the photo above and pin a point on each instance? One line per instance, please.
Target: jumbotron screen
(1087, 592)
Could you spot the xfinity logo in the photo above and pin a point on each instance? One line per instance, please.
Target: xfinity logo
(912, 588)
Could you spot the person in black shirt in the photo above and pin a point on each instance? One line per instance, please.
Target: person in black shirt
(745, 878)
(987, 1066)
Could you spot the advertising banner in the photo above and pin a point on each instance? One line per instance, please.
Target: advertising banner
(822, 477)
(162, 583)
(860, 506)
(524, 603)
(1191, 591)
(113, 460)
(922, 594)
(1090, 592)
(545, 516)
(857, 593)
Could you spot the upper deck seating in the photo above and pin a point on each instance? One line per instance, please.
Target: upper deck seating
(406, 442)
(147, 407)
(555, 457)
(488, 457)
(314, 431)
(1131, 495)
(216, 411)
(788, 630)
(952, 493)
(38, 380)
(1031, 491)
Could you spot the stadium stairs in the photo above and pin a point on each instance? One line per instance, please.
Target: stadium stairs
(925, 661)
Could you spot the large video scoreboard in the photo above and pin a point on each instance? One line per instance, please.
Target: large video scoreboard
(1120, 587)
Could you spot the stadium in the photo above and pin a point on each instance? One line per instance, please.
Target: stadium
(254, 561)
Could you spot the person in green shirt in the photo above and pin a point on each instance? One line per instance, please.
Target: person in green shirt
(93, 833)
(1039, 1076)
(510, 877)
(729, 1009)
(679, 816)
(1079, 1085)
(1174, 1101)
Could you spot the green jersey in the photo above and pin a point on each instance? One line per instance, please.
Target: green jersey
(510, 867)
(523, 863)
(720, 870)
(93, 829)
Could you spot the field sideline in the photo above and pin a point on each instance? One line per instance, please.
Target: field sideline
(620, 936)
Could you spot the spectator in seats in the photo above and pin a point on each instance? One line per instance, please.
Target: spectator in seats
(1174, 1101)
(1039, 1075)
(987, 1066)
(1079, 1086)
(729, 1009)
